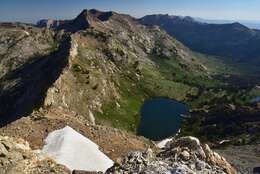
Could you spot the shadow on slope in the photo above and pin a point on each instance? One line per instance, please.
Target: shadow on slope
(27, 86)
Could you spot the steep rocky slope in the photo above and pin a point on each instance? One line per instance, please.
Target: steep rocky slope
(35, 128)
(97, 68)
(21, 43)
(115, 62)
(31, 60)
(102, 67)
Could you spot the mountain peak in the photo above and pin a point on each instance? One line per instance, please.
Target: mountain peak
(238, 25)
(87, 18)
(166, 18)
(96, 14)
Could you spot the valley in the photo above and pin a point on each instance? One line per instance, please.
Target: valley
(96, 72)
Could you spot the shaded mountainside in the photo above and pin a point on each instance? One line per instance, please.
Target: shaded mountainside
(115, 63)
(31, 61)
(234, 40)
(103, 68)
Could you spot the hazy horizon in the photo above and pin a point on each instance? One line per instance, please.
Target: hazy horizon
(30, 11)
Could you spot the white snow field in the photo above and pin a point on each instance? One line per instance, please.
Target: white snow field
(70, 148)
(162, 144)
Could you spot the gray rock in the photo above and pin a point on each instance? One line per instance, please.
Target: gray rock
(184, 155)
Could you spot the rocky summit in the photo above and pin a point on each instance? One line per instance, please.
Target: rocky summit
(183, 155)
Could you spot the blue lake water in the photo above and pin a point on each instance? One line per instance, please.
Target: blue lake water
(161, 118)
(256, 99)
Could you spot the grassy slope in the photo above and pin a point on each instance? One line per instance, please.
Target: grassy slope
(167, 79)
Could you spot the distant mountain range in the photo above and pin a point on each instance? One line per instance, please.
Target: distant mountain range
(232, 40)
(248, 23)
(214, 37)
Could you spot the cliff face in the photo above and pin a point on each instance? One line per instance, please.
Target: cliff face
(20, 43)
(31, 61)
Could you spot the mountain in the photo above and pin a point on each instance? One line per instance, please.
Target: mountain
(95, 62)
(247, 23)
(86, 19)
(233, 40)
(49, 23)
(93, 73)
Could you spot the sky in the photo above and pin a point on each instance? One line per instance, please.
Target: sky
(32, 10)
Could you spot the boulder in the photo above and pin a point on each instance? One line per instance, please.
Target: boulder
(183, 155)
(16, 157)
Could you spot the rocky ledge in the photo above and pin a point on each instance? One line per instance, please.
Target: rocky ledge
(16, 157)
(184, 155)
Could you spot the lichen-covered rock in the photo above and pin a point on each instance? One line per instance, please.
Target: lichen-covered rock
(16, 157)
(184, 155)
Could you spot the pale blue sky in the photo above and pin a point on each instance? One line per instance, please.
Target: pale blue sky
(32, 10)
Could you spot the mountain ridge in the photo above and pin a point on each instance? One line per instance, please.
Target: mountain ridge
(106, 53)
(107, 67)
(233, 40)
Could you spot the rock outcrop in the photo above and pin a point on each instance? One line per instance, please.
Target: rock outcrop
(184, 155)
(36, 127)
(31, 60)
(49, 23)
(16, 157)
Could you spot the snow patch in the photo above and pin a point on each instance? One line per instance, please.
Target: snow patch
(69, 148)
(162, 144)
(26, 33)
